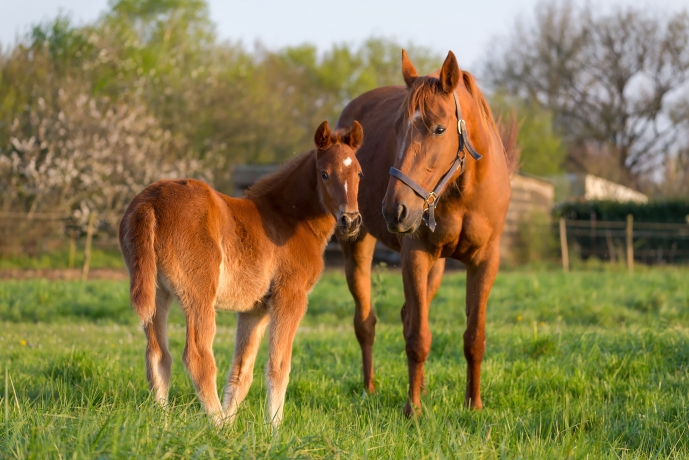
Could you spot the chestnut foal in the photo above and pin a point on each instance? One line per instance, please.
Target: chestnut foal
(259, 256)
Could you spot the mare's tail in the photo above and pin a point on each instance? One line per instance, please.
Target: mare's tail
(137, 236)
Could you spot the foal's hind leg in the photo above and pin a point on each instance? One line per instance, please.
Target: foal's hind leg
(358, 257)
(198, 355)
(158, 359)
(250, 329)
(286, 312)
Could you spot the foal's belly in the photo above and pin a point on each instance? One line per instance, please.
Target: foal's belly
(240, 287)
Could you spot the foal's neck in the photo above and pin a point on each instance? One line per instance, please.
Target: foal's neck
(292, 194)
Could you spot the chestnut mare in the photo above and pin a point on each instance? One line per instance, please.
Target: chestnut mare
(418, 130)
(259, 256)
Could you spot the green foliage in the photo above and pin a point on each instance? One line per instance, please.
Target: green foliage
(602, 376)
(670, 211)
(100, 258)
(535, 239)
(542, 152)
(220, 102)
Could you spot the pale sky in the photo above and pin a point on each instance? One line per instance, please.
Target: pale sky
(467, 28)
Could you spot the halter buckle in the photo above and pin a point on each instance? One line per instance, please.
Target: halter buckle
(430, 202)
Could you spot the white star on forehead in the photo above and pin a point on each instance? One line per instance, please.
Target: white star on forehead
(347, 161)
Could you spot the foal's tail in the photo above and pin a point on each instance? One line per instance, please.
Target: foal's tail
(137, 236)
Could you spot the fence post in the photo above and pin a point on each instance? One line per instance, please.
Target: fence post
(87, 249)
(72, 247)
(611, 246)
(563, 244)
(630, 245)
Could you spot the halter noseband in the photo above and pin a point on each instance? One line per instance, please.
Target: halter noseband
(431, 198)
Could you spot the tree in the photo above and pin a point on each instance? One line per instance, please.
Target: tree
(614, 82)
(541, 151)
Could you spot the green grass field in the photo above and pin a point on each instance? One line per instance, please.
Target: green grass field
(590, 365)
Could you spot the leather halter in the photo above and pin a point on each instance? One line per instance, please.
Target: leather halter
(431, 198)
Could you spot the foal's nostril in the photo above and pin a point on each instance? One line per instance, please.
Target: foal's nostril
(401, 212)
(344, 220)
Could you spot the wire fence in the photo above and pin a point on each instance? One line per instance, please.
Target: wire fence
(31, 236)
(649, 243)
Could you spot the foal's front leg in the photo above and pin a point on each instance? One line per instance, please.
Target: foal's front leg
(287, 309)
(250, 329)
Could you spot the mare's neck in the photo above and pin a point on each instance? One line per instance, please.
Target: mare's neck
(292, 193)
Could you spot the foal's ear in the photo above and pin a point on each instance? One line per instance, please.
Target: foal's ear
(408, 70)
(355, 135)
(450, 73)
(322, 136)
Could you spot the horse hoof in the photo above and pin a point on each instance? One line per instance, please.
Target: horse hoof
(411, 411)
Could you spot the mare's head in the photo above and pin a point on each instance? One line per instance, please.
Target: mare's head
(427, 141)
(339, 174)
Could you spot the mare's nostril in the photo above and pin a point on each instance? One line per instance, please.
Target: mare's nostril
(344, 220)
(401, 212)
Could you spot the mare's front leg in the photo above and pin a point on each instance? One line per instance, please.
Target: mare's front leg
(250, 328)
(480, 277)
(358, 256)
(416, 266)
(435, 277)
(286, 310)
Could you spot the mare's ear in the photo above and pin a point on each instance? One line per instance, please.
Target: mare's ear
(450, 73)
(408, 70)
(322, 136)
(355, 135)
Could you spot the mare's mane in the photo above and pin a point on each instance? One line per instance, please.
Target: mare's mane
(429, 86)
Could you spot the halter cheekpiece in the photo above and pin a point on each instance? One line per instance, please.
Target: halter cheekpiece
(431, 198)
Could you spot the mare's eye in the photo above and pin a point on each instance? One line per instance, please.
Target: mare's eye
(324, 175)
(361, 174)
(439, 131)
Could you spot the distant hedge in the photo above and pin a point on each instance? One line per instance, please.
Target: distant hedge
(675, 211)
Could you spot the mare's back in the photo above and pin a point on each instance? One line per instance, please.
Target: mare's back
(377, 111)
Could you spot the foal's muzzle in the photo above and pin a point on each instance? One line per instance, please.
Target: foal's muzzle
(349, 223)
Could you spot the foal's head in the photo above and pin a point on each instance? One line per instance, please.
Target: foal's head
(339, 174)
(427, 141)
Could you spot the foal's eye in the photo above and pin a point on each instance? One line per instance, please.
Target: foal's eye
(361, 174)
(324, 175)
(439, 131)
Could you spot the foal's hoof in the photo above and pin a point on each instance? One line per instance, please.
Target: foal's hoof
(411, 411)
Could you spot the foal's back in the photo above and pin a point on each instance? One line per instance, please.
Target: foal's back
(208, 247)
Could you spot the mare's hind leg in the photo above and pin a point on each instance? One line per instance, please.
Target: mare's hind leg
(158, 359)
(286, 311)
(358, 256)
(250, 329)
(198, 354)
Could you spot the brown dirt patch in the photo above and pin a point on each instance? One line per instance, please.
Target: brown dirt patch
(115, 274)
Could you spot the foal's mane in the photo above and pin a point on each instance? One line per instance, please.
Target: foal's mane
(427, 87)
(275, 181)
